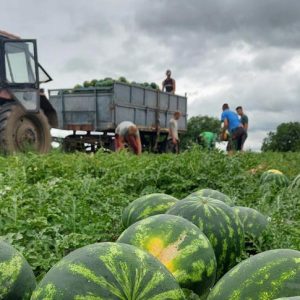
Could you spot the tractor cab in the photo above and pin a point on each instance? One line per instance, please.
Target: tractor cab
(20, 72)
(26, 115)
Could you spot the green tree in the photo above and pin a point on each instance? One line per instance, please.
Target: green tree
(286, 138)
(195, 126)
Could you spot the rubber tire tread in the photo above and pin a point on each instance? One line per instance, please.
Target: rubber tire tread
(11, 110)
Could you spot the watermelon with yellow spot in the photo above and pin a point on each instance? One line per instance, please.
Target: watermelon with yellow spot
(219, 223)
(17, 280)
(111, 271)
(253, 221)
(146, 206)
(214, 194)
(180, 245)
(266, 276)
(274, 177)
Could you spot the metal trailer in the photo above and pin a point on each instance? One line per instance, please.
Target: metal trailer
(101, 109)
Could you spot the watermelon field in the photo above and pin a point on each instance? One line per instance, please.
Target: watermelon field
(53, 205)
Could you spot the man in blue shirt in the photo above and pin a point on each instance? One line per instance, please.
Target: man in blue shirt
(237, 132)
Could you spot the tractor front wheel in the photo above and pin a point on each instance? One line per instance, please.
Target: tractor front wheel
(22, 131)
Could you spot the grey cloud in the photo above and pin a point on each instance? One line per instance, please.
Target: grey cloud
(79, 64)
(272, 58)
(269, 120)
(98, 29)
(257, 22)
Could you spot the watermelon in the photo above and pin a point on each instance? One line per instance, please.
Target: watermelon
(146, 206)
(269, 275)
(253, 221)
(274, 177)
(289, 298)
(180, 246)
(295, 184)
(17, 280)
(108, 271)
(219, 223)
(213, 194)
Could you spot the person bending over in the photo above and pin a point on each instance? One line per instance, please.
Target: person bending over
(128, 133)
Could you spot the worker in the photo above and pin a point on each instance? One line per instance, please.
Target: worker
(237, 133)
(173, 138)
(128, 133)
(243, 117)
(244, 120)
(169, 84)
(207, 139)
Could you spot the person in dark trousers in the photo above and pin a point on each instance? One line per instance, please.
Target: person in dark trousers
(169, 85)
(237, 133)
(244, 120)
(173, 139)
(244, 117)
(128, 133)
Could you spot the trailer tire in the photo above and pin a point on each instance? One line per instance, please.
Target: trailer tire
(22, 131)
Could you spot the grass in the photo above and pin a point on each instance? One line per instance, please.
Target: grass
(52, 204)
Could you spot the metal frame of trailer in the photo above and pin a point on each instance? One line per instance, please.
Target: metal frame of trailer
(101, 109)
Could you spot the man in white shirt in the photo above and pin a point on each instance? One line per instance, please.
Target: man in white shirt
(173, 139)
(127, 133)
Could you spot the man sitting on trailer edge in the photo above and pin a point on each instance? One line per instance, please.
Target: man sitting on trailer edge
(128, 133)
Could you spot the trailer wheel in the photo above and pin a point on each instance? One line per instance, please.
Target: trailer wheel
(22, 131)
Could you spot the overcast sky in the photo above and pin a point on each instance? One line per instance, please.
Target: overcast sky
(244, 52)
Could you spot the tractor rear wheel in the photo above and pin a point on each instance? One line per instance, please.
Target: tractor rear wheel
(22, 131)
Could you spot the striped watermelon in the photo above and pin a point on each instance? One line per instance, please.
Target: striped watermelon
(295, 184)
(17, 280)
(213, 194)
(108, 271)
(253, 221)
(180, 246)
(219, 223)
(268, 275)
(274, 177)
(289, 298)
(146, 206)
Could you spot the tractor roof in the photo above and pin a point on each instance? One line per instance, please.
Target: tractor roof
(8, 35)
